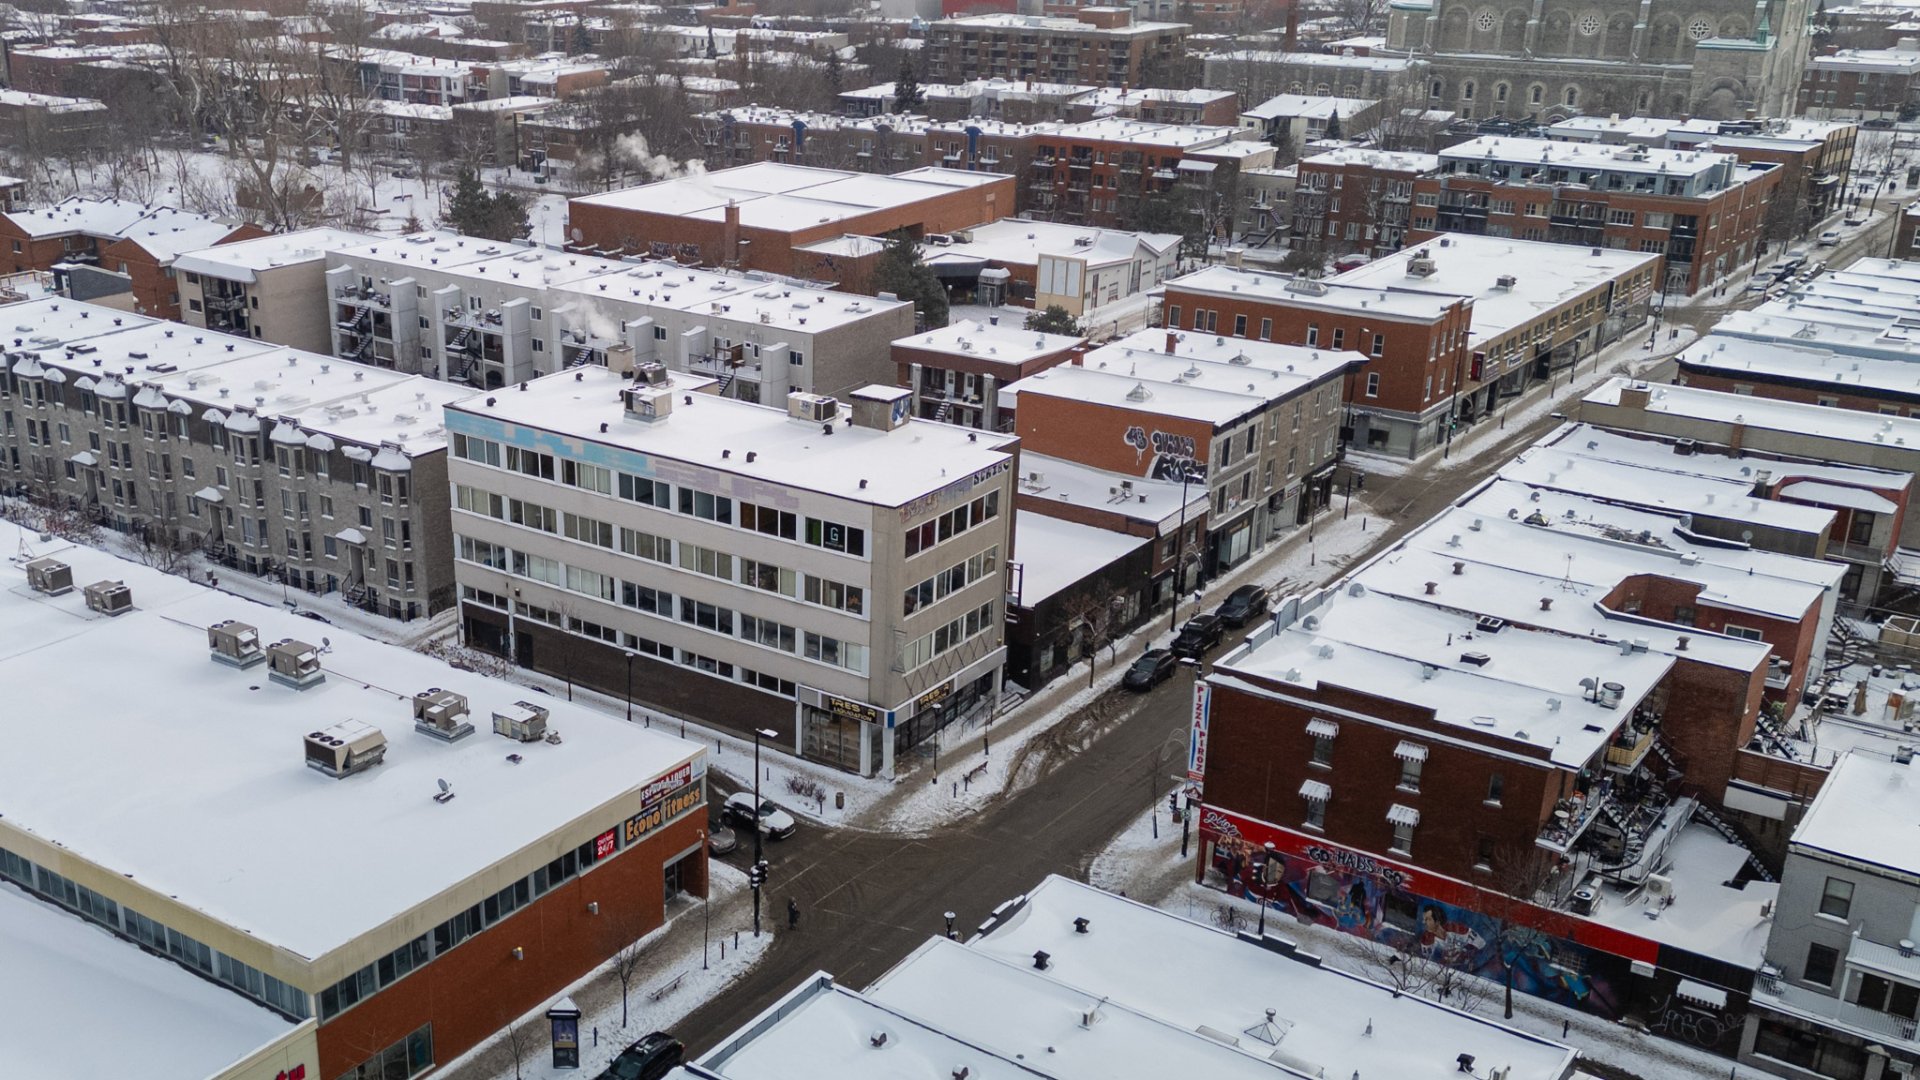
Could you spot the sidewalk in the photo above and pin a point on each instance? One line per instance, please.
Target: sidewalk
(668, 983)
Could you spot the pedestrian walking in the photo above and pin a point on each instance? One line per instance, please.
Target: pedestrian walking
(1196, 598)
(793, 913)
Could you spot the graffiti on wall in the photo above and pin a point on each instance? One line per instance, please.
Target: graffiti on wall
(1358, 894)
(1173, 454)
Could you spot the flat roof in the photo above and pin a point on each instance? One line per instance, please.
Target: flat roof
(1130, 950)
(1266, 370)
(1010, 21)
(167, 232)
(787, 197)
(1661, 455)
(56, 968)
(1866, 812)
(149, 788)
(1056, 554)
(1384, 160)
(1121, 129)
(1018, 241)
(1329, 295)
(1807, 363)
(1302, 105)
(1585, 155)
(96, 217)
(1772, 414)
(1072, 382)
(1372, 62)
(718, 294)
(999, 343)
(243, 260)
(863, 465)
(1512, 282)
(1069, 483)
(1528, 692)
(1707, 916)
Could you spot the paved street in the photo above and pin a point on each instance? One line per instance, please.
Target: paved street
(868, 899)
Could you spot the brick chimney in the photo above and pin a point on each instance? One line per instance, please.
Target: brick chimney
(730, 234)
(1173, 341)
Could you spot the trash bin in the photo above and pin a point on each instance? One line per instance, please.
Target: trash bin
(839, 800)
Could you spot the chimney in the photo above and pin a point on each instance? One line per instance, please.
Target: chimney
(1173, 340)
(1737, 437)
(1292, 39)
(730, 234)
(1635, 395)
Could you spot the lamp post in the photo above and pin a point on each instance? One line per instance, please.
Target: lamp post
(759, 877)
(1180, 549)
(1266, 865)
(629, 686)
(937, 706)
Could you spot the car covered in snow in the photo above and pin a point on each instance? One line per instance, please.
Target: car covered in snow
(775, 822)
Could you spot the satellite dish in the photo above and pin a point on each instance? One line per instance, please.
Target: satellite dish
(1747, 535)
(444, 786)
(326, 643)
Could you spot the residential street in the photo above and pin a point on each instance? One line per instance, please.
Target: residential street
(867, 899)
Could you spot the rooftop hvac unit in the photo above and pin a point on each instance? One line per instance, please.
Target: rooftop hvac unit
(50, 576)
(441, 714)
(651, 375)
(1584, 899)
(294, 663)
(1610, 695)
(235, 644)
(109, 597)
(347, 747)
(523, 721)
(1488, 624)
(815, 408)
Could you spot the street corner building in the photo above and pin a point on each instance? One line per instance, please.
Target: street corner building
(734, 562)
(313, 855)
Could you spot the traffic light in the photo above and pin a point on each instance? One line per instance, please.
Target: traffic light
(757, 874)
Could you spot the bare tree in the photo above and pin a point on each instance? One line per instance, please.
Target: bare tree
(163, 549)
(519, 1043)
(1520, 873)
(628, 958)
(1092, 614)
(1403, 967)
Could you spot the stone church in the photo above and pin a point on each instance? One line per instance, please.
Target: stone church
(1550, 59)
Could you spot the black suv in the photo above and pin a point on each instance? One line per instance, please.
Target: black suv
(1201, 633)
(649, 1059)
(1243, 605)
(1150, 670)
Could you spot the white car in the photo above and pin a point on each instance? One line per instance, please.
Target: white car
(775, 822)
(1829, 238)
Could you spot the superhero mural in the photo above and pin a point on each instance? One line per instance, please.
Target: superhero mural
(1571, 962)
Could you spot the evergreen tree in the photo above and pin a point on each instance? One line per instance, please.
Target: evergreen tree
(907, 95)
(1054, 320)
(1333, 124)
(901, 272)
(834, 75)
(472, 210)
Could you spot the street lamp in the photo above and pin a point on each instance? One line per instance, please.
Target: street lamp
(759, 877)
(937, 706)
(1266, 868)
(629, 686)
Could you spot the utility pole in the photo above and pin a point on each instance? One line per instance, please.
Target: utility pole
(757, 874)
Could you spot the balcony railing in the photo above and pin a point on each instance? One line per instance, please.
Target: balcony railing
(1774, 992)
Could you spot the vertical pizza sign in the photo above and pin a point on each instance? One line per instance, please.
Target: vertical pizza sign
(1197, 735)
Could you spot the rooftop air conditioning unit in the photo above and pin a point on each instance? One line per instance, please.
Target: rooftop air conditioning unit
(50, 576)
(235, 644)
(650, 374)
(1609, 695)
(815, 408)
(347, 747)
(294, 663)
(1659, 886)
(522, 721)
(109, 597)
(441, 714)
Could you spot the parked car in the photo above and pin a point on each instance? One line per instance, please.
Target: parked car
(775, 822)
(1150, 670)
(1243, 605)
(649, 1059)
(721, 839)
(1200, 635)
(1829, 238)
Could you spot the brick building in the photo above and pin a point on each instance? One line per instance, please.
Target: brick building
(272, 288)
(1195, 107)
(1103, 172)
(1099, 46)
(1416, 344)
(754, 133)
(1256, 423)
(1355, 200)
(1705, 212)
(1862, 82)
(475, 907)
(145, 251)
(753, 217)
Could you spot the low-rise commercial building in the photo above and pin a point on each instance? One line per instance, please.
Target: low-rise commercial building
(483, 887)
(705, 554)
(1087, 271)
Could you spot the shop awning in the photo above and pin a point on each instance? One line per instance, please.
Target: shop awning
(1403, 815)
(209, 494)
(1701, 994)
(1407, 751)
(1322, 729)
(1315, 791)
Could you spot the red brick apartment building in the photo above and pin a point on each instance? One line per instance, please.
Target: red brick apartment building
(1356, 200)
(755, 216)
(1098, 46)
(119, 236)
(1102, 172)
(1416, 344)
(145, 252)
(1856, 82)
(1704, 211)
(956, 371)
(1159, 105)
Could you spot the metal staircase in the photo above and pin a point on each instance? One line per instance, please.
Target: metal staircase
(1851, 646)
(1715, 822)
(944, 414)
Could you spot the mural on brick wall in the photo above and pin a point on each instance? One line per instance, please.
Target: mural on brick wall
(1357, 894)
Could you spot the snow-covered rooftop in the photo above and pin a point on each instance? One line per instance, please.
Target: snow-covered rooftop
(1513, 282)
(149, 788)
(864, 465)
(1018, 242)
(770, 195)
(1000, 343)
(1771, 414)
(1801, 362)
(166, 233)
(1866, 812)
(1010, 21)
(1120, 129)
(1707, 917)
(1564, 467)
(1659, 457)
(1378, 160)
(1139, 498)
(1132, 955)
(739, 297)
(1306, 107)
(1386, 303)
(94, 217)
(1056, 554)
(243, 260)
(1592, 156)
(56, 971)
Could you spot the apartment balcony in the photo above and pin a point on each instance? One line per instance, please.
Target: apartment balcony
(1573, 816)
(1629, 749)
(1772, 992)
(225, 302)
(479, 320)
(1080, 163)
